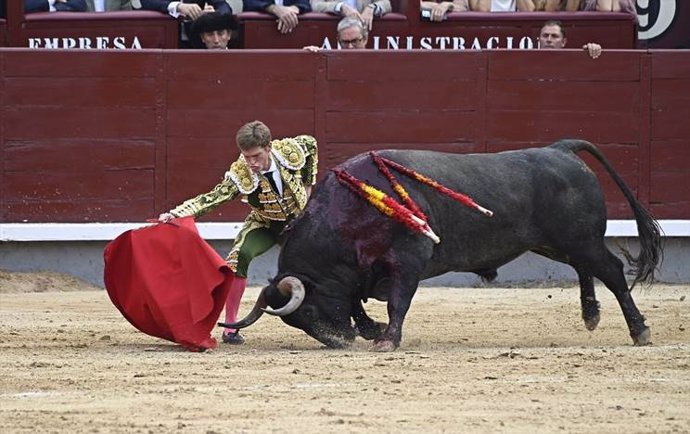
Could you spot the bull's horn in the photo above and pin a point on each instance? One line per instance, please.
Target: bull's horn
(251, 318)
(295, 289)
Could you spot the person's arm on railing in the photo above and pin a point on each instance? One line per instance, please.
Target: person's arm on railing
(54, 6)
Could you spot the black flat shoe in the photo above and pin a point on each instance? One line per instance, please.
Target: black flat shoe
(233, 338)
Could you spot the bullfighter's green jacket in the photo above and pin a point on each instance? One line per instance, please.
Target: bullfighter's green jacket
(297, 161)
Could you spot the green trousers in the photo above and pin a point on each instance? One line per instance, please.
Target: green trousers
(253, 239)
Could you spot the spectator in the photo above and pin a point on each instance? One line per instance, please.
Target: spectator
(437, 10)
(503, 5)
(108, 5)
(286, 11)
(188, 10)
(365, 10)
(275, 178)
(215, 30)
(552, 36)
(550, 5)
(605, 5)
(600, 5)
(351, 34)
(54, 6)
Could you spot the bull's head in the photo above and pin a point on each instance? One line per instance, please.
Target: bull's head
(324, 318)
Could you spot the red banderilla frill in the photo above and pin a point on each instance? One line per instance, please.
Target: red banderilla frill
(408, 214)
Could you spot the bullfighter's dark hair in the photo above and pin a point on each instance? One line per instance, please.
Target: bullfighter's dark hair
(252, 135)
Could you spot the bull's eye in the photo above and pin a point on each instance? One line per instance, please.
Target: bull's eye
(309, 312)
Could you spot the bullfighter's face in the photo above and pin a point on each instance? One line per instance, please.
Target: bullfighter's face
(258, 159)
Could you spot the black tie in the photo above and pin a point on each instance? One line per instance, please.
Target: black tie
(272, 181)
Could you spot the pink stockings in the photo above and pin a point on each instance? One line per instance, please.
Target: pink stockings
(232, 304)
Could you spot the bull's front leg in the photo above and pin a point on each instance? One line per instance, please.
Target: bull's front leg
(398, 304)
(366, 327)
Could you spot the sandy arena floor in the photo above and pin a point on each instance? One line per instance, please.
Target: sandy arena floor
(471, 361)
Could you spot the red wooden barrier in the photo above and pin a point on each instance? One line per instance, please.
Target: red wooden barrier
(123, 135)
(3, 32)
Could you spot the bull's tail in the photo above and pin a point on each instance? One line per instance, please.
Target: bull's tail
(644, 265)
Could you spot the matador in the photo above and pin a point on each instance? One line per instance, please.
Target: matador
(274, 177)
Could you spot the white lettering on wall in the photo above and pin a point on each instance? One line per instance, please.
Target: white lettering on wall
(393, 42)
(446, 43)
(84, 42)
(526, 43)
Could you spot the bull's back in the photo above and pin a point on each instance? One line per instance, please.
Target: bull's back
(535, 194)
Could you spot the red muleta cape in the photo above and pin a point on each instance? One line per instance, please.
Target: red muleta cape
(168, 282)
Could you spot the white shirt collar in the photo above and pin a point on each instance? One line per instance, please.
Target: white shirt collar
(273, 167)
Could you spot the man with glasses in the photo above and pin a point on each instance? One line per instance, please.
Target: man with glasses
(351, 34)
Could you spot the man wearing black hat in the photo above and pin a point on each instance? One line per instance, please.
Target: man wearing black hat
(188, 11)
(215, 30)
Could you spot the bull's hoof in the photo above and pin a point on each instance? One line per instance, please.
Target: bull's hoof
(591, 322)
(373, 330)
(644, 338)
(590, 312)
(383, 346)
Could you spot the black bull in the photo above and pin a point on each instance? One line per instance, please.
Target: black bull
(342, 251)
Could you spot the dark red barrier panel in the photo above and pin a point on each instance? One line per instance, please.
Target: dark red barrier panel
(3, 32)
(94, 30)
(93, 157)
(123, 135)
(670, 132)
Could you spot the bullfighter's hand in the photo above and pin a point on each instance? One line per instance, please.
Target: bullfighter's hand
(165, 217)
